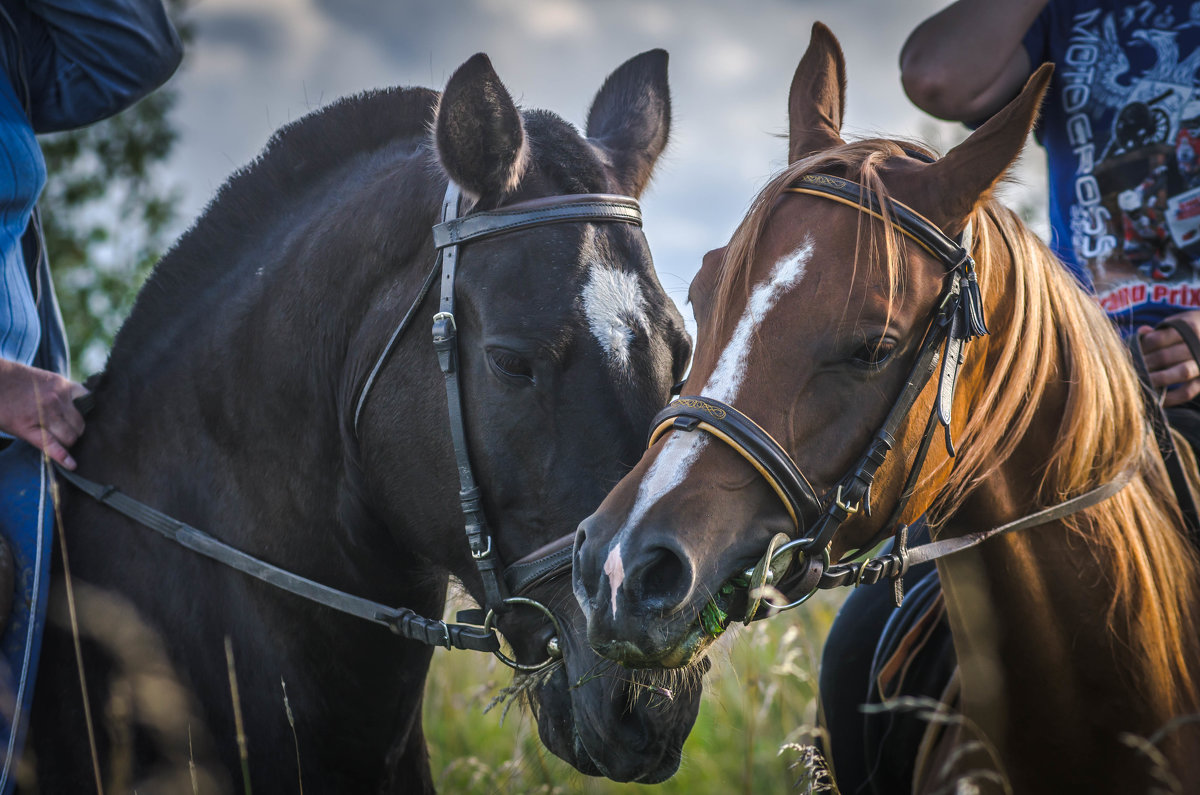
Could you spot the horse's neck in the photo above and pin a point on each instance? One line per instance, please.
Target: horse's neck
(1039, 642)
(240, 393)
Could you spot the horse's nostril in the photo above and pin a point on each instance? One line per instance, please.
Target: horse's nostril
(582, 567)
(663, 580)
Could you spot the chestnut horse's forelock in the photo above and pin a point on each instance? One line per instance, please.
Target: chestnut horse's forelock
(858, 161)
(1039, 317)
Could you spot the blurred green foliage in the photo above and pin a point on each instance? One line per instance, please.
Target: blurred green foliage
(107, 211)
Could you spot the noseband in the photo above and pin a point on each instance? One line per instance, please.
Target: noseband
(527, 573)
(957, 319)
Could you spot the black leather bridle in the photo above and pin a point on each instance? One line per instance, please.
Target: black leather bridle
(503, 587)
(957, 318)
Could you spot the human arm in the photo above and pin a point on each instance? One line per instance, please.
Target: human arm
(37, 406)
(85, 60)
(967, 61)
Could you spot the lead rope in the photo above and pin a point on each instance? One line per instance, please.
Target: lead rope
(400, 620)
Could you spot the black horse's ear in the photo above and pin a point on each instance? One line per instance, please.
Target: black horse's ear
(478, 132)
(630, 118)
(817, 99)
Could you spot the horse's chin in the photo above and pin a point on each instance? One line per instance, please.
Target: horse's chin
(621, 770)
(603, 726)
(640, 742)
(570, 749)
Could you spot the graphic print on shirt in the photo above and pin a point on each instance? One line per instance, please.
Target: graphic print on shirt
(1132, 104)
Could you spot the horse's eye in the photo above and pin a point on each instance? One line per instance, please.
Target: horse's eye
(510, 366)
(874, 354)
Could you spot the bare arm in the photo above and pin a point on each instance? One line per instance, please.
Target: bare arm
(965, 62)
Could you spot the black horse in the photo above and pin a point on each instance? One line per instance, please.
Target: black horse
(230, 402)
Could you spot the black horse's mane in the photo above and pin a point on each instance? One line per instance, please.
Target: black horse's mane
(296, 156)
(304, 150)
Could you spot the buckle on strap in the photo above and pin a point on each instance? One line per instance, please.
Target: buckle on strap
(480, 554)
(847, 508)
(445, 341)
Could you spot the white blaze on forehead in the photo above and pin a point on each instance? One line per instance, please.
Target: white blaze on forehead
(615, 309)
(682, 449)
(727, 376)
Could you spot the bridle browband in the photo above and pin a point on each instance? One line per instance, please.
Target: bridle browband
(957, 318)
(502, 587)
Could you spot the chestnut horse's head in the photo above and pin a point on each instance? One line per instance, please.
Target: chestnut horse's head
(810, 322)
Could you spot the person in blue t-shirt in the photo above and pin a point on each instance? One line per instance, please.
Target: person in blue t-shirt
(1121, 129)
(65, 64)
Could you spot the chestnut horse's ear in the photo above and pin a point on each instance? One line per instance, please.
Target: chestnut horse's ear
(952, 186)
(817, 99)
(630, 118)
(478, 132)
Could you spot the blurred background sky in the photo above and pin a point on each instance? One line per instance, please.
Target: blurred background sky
(255, 65)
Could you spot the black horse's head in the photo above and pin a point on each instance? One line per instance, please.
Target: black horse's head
(567, 346)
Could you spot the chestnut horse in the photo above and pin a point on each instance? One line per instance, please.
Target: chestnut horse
(1073, 637)
(266, 390)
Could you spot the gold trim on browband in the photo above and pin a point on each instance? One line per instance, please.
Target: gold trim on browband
(665, 426)
(843, 200)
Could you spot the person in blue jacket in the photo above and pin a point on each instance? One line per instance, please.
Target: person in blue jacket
(65, 64)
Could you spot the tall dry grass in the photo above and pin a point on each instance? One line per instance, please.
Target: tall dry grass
(754, 727)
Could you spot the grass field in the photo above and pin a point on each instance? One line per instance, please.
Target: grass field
(759, 697)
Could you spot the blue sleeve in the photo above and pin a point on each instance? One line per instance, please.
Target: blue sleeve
(85, 60)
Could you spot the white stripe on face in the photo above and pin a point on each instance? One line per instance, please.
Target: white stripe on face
(726, 378)
(615, 570)
(682, 449)
(615, 309)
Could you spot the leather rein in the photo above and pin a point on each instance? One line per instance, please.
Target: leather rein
(957, 318)
(502, 586)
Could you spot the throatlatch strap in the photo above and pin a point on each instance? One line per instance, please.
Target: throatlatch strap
(382, 359)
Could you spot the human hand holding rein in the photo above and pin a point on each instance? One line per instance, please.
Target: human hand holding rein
(1171, 361)
(37, 406)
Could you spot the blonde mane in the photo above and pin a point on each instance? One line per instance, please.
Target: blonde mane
(1046, 332)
